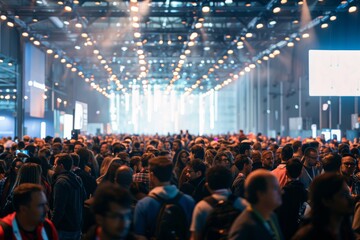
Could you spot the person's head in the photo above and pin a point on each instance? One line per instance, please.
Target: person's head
(297, 148)
(145, 159)
(262, 189)
(111, 171)
(311, 157)
(45, 153)
(135, 163)
(267, 160)
(84, 157)
(56, 148)
(329, 195)
(348, 165)
(63, 162)
(77, 146)
(104, 148)
(222, 158)
(112, 210)
(197, 151)
(160, 171)
(293, 168)
(277, 155)
(195, 169)
(245, 148)
(331, 162)
(287, 153)
(123, 176)
(256, 156)
(76, 159)
(344, 148)
(182, 158)
(177, 145)
(118, 148)
(28, 173)
(243, 163)
(218, 177)
(30, 203)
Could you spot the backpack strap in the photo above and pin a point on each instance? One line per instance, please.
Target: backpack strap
(213, 202)
(7, 230)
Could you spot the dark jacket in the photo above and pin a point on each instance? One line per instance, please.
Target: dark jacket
(293, 198)
(89, 181)
(92, 235)
(196, 188)
(68, 199)
(248, 226)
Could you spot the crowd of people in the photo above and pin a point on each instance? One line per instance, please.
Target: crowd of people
(179, 186)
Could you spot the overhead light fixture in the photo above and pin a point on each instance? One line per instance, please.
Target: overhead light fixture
(272, 22)
(3, 16)
(10, 24)
(49, 51)
(230, 51)
(248, 35)
(84, 35)
(276, 10)
(306, 35)
(96, 52)
(67, 8)
(300, 2)
(283, 1)
(25, 34)
(193, 35)
(259, 25)
(333, 18)
(290, 44)
(66, 22)
(78, 25)
(205, 9)
(198, 25)
(35, 19)
(1, 59)
(352, 9)
(60, 3)
(137, 34)
(324, 25)
(36, 42)
(248, 4)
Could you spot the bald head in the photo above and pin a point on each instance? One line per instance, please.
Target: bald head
(123, 176)
(262, 188)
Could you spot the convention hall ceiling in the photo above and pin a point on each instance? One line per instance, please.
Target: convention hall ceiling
(188, 46)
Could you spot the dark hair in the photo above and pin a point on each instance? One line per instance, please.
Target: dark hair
(21, 145)
(136, 145)
(309, 150)
(134, 161)
(76, 159)
(57, 145)
(218, 177)
(57, 140)
(296, 145)
(344, 148)
(198, 151)
(241, 160)
(178, 142)
(243, 147)
(145, 159)
(22, 194)
(110, 193)
(66, 160)
(198, 165)
(118, 148)
(287, 152)
(331, 162)
(162, 168)
(84, 156)
(111, 171)
(304, 147)
(294, 167)
(123, 176)
(154, 143)
(323, 187)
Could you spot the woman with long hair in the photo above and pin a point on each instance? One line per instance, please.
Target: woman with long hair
(331, 207)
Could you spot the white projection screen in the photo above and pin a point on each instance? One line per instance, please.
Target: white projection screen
(334, 73)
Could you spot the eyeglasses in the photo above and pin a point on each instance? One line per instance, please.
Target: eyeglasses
(349, 164)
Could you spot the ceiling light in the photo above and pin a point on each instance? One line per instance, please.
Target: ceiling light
(295, 21)
(276, 52)
(300, 2)
(68, 8)
(161, 42)
(77, 47)
(276, 10)
(324, 25)
(74, 69)
(63, 60)
(290, 44)
(36, 42)
(247, 69)
(49, 51)
(35, 19)
(135, 25)
(96, 52)
(205, 9)
(103, 61)
(283, 1)
(60, 2)
(187, 51)
(78, 25)
(352, 9)
(193, 35)
(84, 35)
(191, 43)
(134, 9)
(3, 17)
(206, 48)
(259, 25)
(10, 24)
(25, 34)
(306, 35)
(333, 18)
(248, 4)
(169, 42)
(56, 56)
(271, 55)
(137, 34)
(99, 57)
(272, 22)
(66, 22)
(265, 58)
(198, 25)
(140, 51)
(248, 35)
(68, 65)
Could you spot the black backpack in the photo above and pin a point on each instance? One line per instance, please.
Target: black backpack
(220, 219)
(171, 222)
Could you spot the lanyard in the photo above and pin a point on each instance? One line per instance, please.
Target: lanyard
(312, 169)
(17, 233)
(269, 225)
